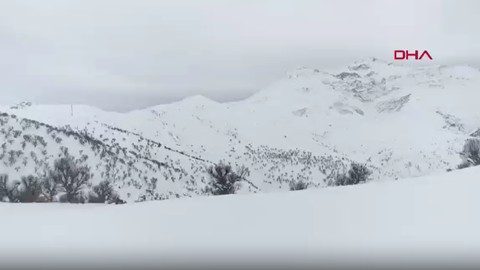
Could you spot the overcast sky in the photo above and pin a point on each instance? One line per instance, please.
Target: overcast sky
(120, 55)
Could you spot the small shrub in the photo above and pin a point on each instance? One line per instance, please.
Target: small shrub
(341, 180)
(119, 201)
(102, 193)
(358, 173)
(79, 198)
(298, 185)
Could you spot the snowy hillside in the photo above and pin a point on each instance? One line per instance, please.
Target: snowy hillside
(429, 218)
(401, 121)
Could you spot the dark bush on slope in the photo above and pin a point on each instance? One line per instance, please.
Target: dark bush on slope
(470, 154)
(224, 179)
(30, 189)
(358, 173)
(103, 193)
(8, 192)
(49, 189)
(298, 185)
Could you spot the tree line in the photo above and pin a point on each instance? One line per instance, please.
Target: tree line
(69, 177)
(66, 181)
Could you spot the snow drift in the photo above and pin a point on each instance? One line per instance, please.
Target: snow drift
(419, 219)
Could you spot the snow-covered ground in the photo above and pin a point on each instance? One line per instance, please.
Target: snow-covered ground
(434, 218)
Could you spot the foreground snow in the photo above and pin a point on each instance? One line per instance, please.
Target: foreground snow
(418, 218)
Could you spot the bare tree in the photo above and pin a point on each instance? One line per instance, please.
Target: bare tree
(30, 189)
(3, 186)
(49, 189)
(224, 179)
(71, 175)
(8, 190)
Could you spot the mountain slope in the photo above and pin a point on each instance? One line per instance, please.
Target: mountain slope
(402, 121)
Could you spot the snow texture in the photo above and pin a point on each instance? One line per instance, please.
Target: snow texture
(417, 218)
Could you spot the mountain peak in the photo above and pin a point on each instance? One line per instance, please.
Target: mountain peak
(197, 99)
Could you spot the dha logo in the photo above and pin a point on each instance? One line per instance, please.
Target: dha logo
(403, 55)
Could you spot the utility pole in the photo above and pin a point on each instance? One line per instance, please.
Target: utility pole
(71, 109)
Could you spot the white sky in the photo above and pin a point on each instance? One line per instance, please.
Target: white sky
(120, 55)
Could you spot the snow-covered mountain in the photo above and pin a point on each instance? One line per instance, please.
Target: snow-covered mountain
(402, 121)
